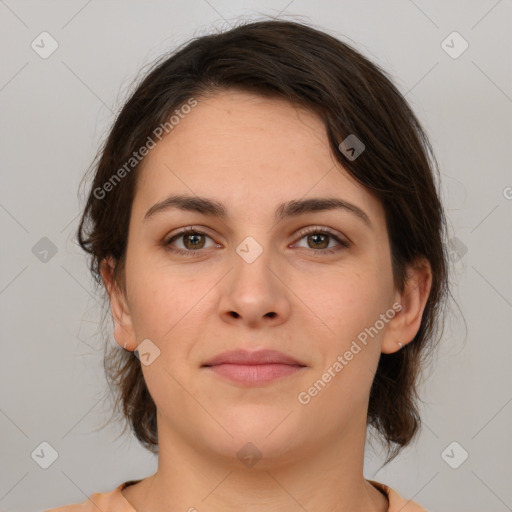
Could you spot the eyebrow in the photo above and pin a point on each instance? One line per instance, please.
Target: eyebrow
(294, 208)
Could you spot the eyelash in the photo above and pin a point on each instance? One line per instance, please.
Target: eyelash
(302, 234)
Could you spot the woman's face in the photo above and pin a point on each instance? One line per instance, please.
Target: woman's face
(256, 281)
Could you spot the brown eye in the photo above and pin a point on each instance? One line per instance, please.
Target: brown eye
(319, 240)
(192, 241)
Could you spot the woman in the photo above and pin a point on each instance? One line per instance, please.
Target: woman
(265, 220)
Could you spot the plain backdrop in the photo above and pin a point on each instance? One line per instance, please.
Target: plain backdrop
(55, 112)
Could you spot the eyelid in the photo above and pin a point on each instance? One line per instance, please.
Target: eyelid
(324, 229)
(188, 230)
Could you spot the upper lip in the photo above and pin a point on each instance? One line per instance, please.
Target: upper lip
(252, 358)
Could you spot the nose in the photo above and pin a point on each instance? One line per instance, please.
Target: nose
(254, 294)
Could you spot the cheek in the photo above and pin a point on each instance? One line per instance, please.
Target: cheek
(165, 305)
(351, 311)
(348, 301)
(350, 306)
(151, 294)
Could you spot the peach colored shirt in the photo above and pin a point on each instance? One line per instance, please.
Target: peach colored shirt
(114, 501)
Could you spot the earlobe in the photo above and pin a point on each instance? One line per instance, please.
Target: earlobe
(402, 329)
(123, 327)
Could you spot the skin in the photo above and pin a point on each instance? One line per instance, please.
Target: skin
(252, 153)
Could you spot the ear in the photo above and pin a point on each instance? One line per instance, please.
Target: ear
(404, 326)
(123, 326)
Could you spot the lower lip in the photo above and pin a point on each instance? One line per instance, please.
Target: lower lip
(254, 373)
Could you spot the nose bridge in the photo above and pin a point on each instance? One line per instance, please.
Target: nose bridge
(255, 259)
(252, 271)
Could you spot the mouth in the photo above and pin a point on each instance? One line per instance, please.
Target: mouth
(254, 374)
(253, 368)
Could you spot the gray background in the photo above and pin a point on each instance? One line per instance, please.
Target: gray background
(55, 112)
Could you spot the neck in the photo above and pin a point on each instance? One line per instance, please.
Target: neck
(189, 477)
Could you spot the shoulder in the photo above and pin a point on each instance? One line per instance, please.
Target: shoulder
(396, 502)
(112, 501)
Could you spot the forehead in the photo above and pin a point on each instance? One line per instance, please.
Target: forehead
(251, 129)
(247, 150)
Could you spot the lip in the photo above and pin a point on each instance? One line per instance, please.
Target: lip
(257, 357)
(253, 368)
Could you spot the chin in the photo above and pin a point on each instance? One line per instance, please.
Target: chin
(262, 440)
(257, 454)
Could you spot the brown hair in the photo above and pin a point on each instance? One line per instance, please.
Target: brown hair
(310, 68)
